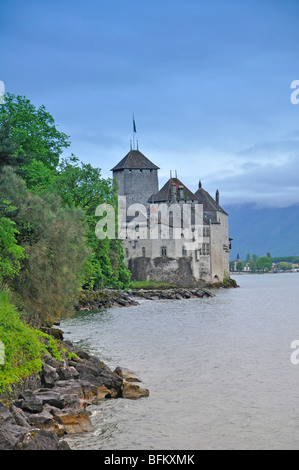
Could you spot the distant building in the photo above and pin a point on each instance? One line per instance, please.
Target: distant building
(247, 268)
(167, 258)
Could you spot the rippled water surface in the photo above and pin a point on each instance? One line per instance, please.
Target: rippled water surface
(218, 369)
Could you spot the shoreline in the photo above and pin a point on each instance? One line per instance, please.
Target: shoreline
(49, 405)
(107, 298)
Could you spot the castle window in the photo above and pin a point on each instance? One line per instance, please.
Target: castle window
(127, 253)
(206, 231)
(163, 251)
(143, 251)
(184, 251)
(205, 249)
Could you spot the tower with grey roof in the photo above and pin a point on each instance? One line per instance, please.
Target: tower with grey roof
(137, 177)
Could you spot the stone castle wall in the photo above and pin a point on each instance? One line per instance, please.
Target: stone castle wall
(137, 185)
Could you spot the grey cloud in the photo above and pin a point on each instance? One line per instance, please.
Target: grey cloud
(267, 176)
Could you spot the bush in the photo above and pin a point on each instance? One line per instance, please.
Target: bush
(23, 346)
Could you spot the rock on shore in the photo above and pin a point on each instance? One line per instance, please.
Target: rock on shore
(38, 419)
(119, 298)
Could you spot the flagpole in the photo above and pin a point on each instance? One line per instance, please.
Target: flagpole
(133, 134)
(134, 130)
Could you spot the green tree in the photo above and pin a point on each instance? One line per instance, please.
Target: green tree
(81, 185)
(29, 134)
(54, 240)
(264, 264)
(283, 266)
(11, 253)
(252, 265)
(239, 266)
(8, 149)
(32, 145)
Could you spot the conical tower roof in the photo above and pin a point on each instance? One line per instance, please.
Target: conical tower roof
(135, 160)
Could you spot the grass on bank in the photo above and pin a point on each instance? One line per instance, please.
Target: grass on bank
(149, 285)
(23, 346)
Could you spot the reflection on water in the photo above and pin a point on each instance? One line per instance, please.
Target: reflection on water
(218, 369)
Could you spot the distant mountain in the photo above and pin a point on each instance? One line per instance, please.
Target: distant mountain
(258, 231)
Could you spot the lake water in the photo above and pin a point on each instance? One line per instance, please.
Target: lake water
(218, 369)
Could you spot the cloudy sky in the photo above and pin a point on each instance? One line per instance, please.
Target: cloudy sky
(209, 83)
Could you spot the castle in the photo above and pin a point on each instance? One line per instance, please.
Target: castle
(162, 252)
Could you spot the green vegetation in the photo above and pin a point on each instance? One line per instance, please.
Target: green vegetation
(255, 263)
(48, 246)
(264, 264)
(23, 345)
(286, 259)
(49, 251)
(149, 285)
(10, 252)
(283, 266)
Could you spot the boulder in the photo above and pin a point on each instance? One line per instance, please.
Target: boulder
(45, 420)
(133, 391)
(28, 401)
(49, 375)
(5, 415)
(14, 436)
(11, 436)
(66, 373)
(73, 420)
(65, 387)
(20, 416)
(40, 439)
(126, 374)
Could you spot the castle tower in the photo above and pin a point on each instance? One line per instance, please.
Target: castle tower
(219, 236)
(137, 178)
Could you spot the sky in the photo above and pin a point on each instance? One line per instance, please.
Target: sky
(208, 81)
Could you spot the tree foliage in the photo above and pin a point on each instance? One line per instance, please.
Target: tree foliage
(54, 240)
(264, 264)
(48, 245)
(284, 266)
(28, 133)
(11, 253)
(81, 185)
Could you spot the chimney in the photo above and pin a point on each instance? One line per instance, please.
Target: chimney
(173, 192)
(217, 197)
(181, 193)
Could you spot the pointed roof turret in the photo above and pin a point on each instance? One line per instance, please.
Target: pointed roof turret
(166, 194)
(209, 204)
(135, 160)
